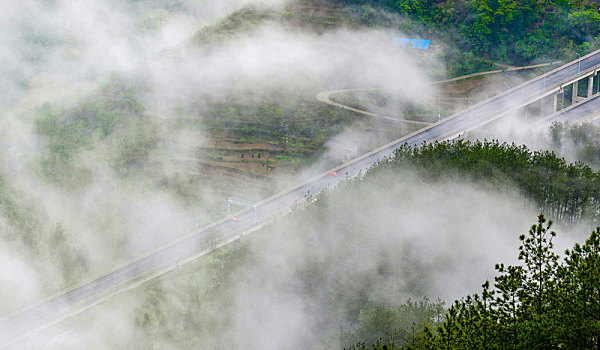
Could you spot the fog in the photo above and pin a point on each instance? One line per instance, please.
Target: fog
(300, 280)
(62, 52)
(59, 55)
(573, 142)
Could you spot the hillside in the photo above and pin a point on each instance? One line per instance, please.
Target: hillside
(275, 131)
(477, 32)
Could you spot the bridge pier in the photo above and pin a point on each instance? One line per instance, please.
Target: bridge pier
(543, 107)
(548, 105)
(582, 89)
(529, 111)
(567, 96)
(591, 84)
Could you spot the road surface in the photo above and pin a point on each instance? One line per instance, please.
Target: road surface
(587, 110)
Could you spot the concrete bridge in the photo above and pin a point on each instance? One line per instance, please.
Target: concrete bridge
(565, 95)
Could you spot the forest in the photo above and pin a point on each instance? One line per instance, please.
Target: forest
(484, 31)
(544, 302)
(565, 191)
(579, 141)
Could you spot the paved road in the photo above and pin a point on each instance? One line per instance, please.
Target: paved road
(325, 96)
(16, 325)
(583, 111)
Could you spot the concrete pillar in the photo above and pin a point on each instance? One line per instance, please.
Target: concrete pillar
(546, 106)
(590, 85)
(574, 95)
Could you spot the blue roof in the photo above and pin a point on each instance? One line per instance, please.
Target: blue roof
(420, 44)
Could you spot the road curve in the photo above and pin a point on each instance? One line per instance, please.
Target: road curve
(16, 326)
(325, 96)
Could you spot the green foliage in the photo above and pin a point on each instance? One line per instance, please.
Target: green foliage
(531, 46)
(579, 280)
(380, 344)
(504, 30)
(581, 141)
(21, 214)
(151, 315)
(584, 25)
(239, 22)
(460, 63)
(539, 304)
(180, 311)
(113, 111)
(568, 192)
(71, 260)
(479, 30)
(394, 326)
(311, 15)
(132, 152)
(296, 123)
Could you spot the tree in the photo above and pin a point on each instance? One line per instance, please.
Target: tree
(567, 192)
(580, 293)
(393, 327)
(539, 304)
(480, 29)
(537, 293)
(584, 25)
(507, 302)
(70, 260)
